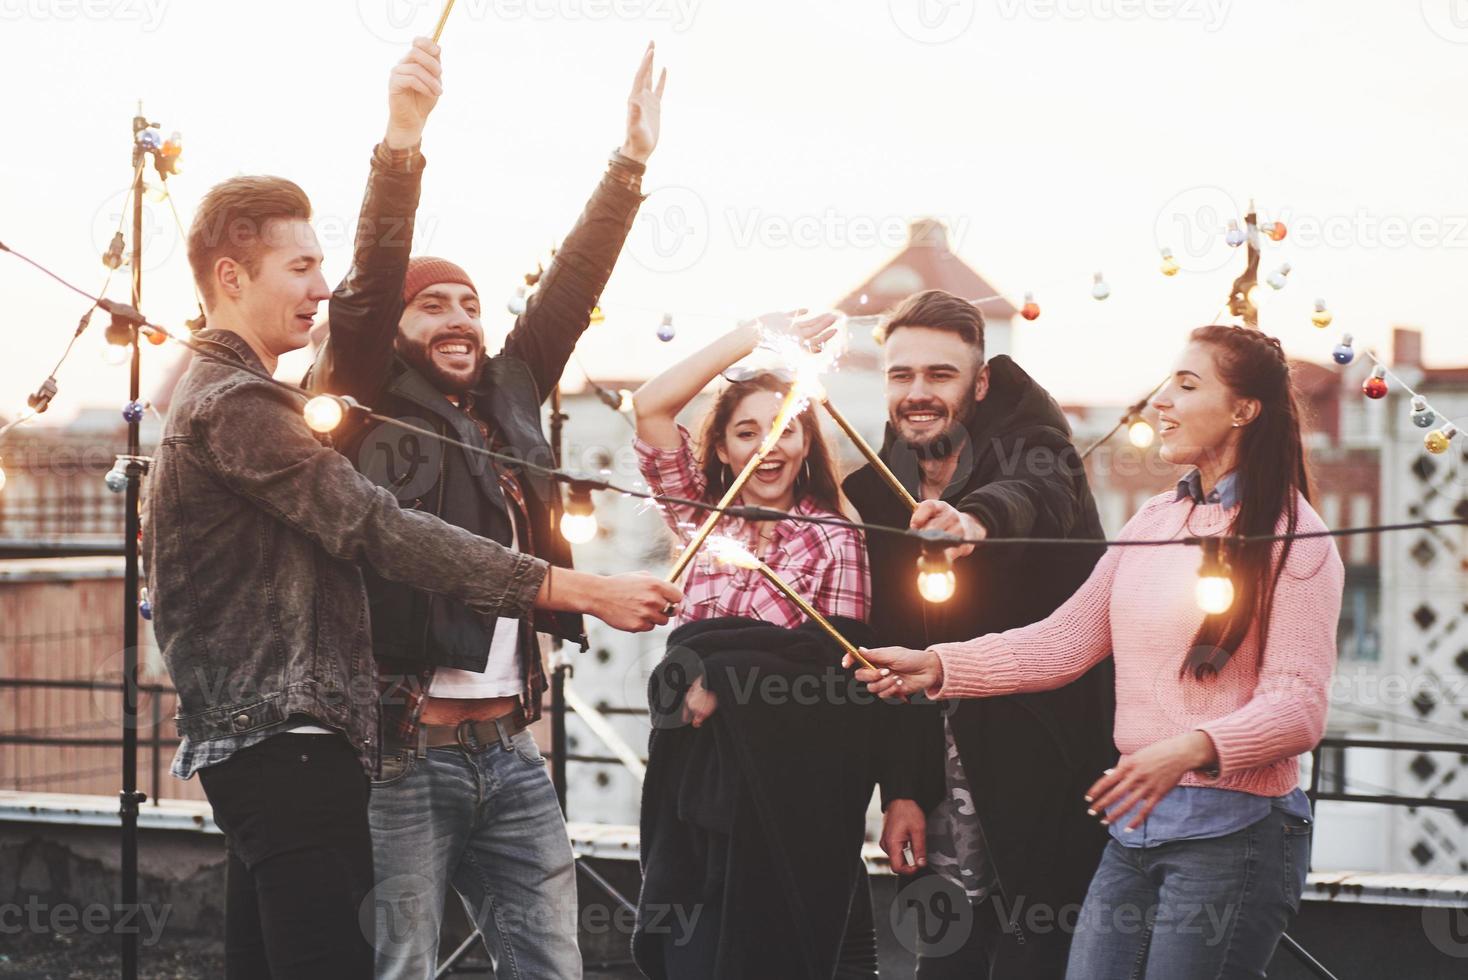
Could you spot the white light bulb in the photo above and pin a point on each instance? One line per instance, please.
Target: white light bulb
(937, 586)
(115, 355)
(323, 413)
(1141, 434)
(1215, 594)
(578, 528)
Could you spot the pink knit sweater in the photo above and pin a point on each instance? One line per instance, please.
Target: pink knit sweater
(1139, 605)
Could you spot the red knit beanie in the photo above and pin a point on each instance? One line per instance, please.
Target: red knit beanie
(424, 271)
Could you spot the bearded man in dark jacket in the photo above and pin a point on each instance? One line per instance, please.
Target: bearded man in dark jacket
(999, 815)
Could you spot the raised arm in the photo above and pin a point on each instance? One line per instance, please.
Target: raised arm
(559, 311)
(658, 402)
(365, 309)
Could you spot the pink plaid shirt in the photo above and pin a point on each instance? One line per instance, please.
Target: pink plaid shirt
(824, 564)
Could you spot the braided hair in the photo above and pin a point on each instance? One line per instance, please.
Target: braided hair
(1273, 476)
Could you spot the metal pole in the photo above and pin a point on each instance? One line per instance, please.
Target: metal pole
(558, 672)
(130, 798)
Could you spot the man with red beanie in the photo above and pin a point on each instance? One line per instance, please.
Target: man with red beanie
(463, 798)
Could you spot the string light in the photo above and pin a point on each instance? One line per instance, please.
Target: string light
(516, 303)
(116, 478)
(1344, 352)
(325, 412)
(1235, 235)
(132, 412)
(113, 258)
(597, 316)
(1438, 440)
(1275, 230)
(625, 403)
(1215, 589)
(1376, 386)
(1169, 264)
(1031, 309)
(1321, 317)
(1422, 414)
(1276, 279)
(665, 329)
(1099, 289)
(114, 355)
(578, 522)
(145, 605)
(1139, 432)
(936, 581)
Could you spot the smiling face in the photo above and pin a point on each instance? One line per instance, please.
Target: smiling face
(440, 335)
(933, 382)
(275, 304)
(773, 484)
(1200, 418)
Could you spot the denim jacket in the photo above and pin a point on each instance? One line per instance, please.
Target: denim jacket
(255, 535)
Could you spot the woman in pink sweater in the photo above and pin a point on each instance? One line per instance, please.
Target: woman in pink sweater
(1210, 830)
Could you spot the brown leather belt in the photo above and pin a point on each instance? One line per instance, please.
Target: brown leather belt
(474, 735)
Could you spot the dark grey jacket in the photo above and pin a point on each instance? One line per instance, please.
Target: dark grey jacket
(254, 532)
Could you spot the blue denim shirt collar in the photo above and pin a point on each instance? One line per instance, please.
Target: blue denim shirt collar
(1225, 494)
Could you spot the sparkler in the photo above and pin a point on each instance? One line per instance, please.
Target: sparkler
(727, 549)
(443, 19)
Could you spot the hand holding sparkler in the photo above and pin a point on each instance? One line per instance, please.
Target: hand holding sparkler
(413, 90)
(892, 672)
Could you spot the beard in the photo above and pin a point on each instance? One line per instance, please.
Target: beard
(945, 442)
(420, 357)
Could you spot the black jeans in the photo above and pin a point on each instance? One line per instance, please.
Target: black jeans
(294, 814)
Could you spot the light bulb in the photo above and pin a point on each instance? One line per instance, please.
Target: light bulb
(1375, 386)
(1031, 309)
(1215, 589)
(625, 403)
(1276, 230)
(1277, 278)
(1140, 432)
(115, 355)
(597, 316)
(1254, 295)
(578, 523)
(1344, 352)
(1321, 317)
(665, 329)
(1099, 289)
(1169, 264)
(324, 413)
(1438, 440)
(1422, 415)
(516, 303)
(116, 478)
(936, 581)
(1235, 235)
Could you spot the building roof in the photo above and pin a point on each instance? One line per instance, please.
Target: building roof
(927, 262)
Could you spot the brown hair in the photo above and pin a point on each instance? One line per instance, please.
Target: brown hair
(939, 310)
(821, 485)
(1273, 475)
(231, 220)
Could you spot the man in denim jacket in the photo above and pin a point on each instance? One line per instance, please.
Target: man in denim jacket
(256, 535)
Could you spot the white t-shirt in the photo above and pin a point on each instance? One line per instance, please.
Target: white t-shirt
(501, 676)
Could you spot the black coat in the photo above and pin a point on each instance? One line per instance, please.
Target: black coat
(761, 812)
(1028, 757)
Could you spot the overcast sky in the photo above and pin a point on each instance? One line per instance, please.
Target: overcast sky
(1057, 137)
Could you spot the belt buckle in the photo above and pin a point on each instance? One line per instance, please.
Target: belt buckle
(467, 737)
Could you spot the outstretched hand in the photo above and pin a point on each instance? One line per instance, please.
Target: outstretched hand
(644, 110)
(812, 333)
(413, 89)
(899, 672)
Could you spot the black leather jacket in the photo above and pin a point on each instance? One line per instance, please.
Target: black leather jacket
(255, 534)
(414, 631)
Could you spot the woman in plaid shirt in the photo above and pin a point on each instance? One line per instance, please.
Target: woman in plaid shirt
(825, 564)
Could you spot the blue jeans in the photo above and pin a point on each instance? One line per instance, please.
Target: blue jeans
(489, 825)
(1194, 909)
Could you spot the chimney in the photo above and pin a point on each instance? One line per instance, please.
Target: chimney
(929, 233)
(1406, 347)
